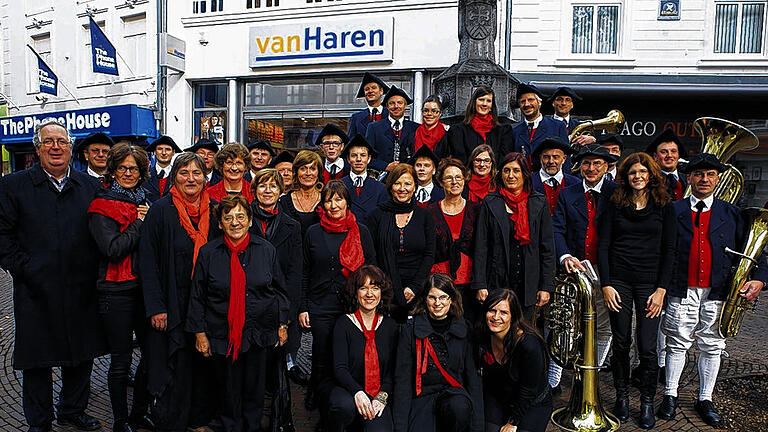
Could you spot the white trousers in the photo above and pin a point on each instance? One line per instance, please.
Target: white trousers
(688, 319)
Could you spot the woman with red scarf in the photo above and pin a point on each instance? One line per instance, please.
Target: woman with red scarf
(238, 309)
(333, 249)
(364, 347)
(175, 228)
(483, 172)
(232, 161)
(514, 248)
(431, 132)
(114, 218)
(480, 126)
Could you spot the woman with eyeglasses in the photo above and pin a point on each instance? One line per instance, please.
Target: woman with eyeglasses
(232, 161)
(115, 217)
(480, 126)
(431, 132)
(437, 386)
(482, 175)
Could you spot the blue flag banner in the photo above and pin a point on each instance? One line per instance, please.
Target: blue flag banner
(103, 52)
(48, 80)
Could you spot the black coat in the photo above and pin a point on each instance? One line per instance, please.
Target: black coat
(458, 362)
(266, 303)
(152, 186)
(46, 246)
(372, 193)
(446, 249)
(491, 262)
(461, 139)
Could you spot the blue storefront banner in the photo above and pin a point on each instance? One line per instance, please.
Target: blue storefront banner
(103, 52)
(48, 81)
(117, 120)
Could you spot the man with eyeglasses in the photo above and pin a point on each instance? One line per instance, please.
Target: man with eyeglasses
(574, 227)
(47, 247)
(331, 141)
(372, 88)
(157, 184)
(366, 191)
(551, 179)
(393, 137)
(94, 149)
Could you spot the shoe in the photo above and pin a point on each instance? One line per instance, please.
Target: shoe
(143, 422)
(621, 407)
(668, 408)
(646, 420)
(122, 427)
(708, 413)
(296, 375)
(81, 421)
(662, 375)
(39, 429)
(556, 391)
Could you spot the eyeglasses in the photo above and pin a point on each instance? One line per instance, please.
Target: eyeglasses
(332, 143)
(442, 299)
(453, 179)
(122, 169)
(238, 164)
(49, 142)
(228, 219)
(483, 161)
(433, 111)
(97, 151)
(264, 186)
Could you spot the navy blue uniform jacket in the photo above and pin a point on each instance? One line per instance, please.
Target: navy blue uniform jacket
(381, 137)
(359, 121)
(569, 223)
(547, 127)
(538, 186)
(152, 186)
(372, 193)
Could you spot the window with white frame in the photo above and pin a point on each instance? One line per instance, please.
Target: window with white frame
(135, 43)
(42, 44)
(595, 29)
(86, 74)
(204, 6)
(253, 4)
(739, 27)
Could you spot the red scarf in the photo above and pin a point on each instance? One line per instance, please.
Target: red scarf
(236, 312)
(218, 191)
(351, 250)
(482, 124)
(479, 187)
(429, 137)
(421, 364)
(372, 380)
(519, 206)
(124, 213)
(199, 213)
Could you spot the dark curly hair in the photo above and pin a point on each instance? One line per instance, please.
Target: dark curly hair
(622, 196)
(357, 279)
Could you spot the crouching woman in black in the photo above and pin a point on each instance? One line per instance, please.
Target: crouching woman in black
(437, 386)
(238, 308)
(513, 358)
(364, 347)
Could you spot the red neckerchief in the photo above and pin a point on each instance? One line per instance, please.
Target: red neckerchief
(372, 379)
(236, 312)
(218, 191)
(519, 206)
(482, 124)
(429, 137)
(421, 364)
(351, 250)
(124, 213)
(479, 187)
(200, 213)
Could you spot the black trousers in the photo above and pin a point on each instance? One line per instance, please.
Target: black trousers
(37, 390)
(123, 314)
(634, 296)
(535, 419)
(343, 415)
(322, 358)
(446, 411)
(241, 388)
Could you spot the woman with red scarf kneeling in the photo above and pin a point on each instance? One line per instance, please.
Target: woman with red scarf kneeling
(514, 248)
(238, 309)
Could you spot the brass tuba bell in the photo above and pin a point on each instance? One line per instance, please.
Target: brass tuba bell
(613, 122)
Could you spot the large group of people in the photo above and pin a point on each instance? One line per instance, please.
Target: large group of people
(414, 255)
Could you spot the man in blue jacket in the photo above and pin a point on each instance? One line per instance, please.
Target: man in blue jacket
(534, 128)
(551, 179)
(706, 226)
(393, 137)
(372, 88)
(365, 191)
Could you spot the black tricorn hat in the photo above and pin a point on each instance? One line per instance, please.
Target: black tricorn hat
(204, 143)
(595, 150)
(525, 87)
(165, 139)
(564, 91)
(284, 156)
(605, 138)
(424, 152)
(331, 129)
(667, 135)
(263, 145)
(370, 78)
(396, 91)
(703, 161)
(94, 138)
(552, 142)
(359, 141)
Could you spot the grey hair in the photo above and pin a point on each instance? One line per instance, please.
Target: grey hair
(47, 122)
(184, 159)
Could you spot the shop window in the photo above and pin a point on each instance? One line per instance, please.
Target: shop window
(210, 112)
(251, 4)
(211, 96)
(282, 93)
(739, 27)
(595, 29)
(203, 6)
(135, 43)
(291, 130)
(42, 44)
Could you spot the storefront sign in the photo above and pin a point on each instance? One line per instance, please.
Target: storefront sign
(102, 51)
(173, 52)
(323, 42)
(669, 10)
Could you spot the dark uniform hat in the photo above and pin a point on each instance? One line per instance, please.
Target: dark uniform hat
(703, 161)
(594, 150)
(94, 138)
(371, 78)
(525, 87)
(331, 129)
(262, 145)
(396, 91)
(606, 138)
(424, 152)
(551, 142)
(564, 91)
(359, 141)
(164, 140)
(668, 135)
(284, 156)
(204, 143)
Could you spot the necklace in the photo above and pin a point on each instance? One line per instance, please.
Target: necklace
(306, 205)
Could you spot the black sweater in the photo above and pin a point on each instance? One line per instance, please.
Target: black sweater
(305, 219)
(637, 246)
(349, 354)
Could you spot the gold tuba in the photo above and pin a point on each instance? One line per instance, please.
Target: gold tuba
(724, 139)
(573, 344)
(612, 123)
(735, 305)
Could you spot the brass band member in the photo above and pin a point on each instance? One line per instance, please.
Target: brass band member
(705, 227)
(666, 149)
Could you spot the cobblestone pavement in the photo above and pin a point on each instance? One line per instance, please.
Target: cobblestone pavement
(748, 357)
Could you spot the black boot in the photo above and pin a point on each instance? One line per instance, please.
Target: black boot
(668, 408)
(621, 407)
(663, 375)
(646, 420)
(122, 427)
(707, 411)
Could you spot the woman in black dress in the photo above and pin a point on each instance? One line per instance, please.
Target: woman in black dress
(114, 218)
(636, 258)
(333, 249)
(364, 347)
(404, 235)
(237, 310)
(513, 358)
(437, 385)
(302, 202)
